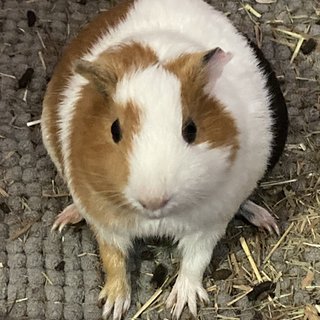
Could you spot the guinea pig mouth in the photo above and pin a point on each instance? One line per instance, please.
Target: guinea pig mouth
(157, 214)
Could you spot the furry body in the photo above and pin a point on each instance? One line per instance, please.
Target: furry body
(154, 90)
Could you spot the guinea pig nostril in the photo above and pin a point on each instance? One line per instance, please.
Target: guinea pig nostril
(153, 204)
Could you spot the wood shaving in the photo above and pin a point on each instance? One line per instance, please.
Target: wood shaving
(307, 280)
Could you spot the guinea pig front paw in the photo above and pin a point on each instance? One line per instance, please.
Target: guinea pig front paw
(116, 297)
(70, 215)
(186, 291)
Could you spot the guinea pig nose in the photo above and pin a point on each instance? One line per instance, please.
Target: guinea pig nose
(154, 204)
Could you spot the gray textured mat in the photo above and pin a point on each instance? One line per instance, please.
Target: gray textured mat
(46, 275)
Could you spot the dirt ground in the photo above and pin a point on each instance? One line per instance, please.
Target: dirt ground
(46, 275)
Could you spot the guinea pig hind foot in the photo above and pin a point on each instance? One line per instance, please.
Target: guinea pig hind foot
(259, 216)
(70, 215)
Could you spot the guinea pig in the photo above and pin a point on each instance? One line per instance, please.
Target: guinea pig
(162, 118)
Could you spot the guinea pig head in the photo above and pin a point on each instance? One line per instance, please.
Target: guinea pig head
(152, 138)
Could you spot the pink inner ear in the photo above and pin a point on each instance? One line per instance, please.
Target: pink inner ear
(216, 64)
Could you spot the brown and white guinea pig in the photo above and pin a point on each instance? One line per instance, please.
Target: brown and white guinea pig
(162, 118)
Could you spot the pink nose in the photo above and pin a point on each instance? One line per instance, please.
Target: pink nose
(154, 204)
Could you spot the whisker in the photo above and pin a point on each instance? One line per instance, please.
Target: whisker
(121, 204)
(108, 195)
(96, 117)
(106, 192)
(91, 173)
(116, 197)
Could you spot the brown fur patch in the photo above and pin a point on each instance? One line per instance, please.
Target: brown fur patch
(114, 63)
(99, 167)
(114, 266)
(214, 123)
(77, 48)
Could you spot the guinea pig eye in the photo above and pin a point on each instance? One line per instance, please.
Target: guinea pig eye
(189, 131)
(116, 131)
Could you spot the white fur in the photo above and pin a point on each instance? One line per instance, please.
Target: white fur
(188, 285)
(162, 164)
(66, 111)
(168, 26)
(71, 96)
(204, 190)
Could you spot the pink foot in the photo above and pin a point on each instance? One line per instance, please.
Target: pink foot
(259, 217)
(70, 215)
(186, 292)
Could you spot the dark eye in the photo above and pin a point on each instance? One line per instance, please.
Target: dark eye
(189, 131)
(116, 131)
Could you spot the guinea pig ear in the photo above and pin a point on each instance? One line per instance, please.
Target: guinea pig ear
(102, 79)
(214, 62)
